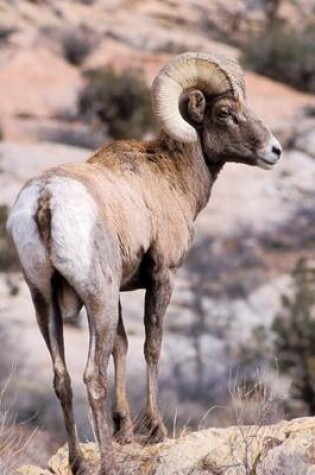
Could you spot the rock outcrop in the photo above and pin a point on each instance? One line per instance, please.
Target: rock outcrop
(286, 448)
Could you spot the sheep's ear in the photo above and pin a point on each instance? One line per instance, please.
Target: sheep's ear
(196, 105)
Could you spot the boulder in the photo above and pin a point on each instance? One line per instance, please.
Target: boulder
(286, 448)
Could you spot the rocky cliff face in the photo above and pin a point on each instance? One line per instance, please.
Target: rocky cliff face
(287, 448)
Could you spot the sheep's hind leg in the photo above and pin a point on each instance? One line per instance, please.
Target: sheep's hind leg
(157, 298)
(50, 322)
(123, 430)
(103, 318)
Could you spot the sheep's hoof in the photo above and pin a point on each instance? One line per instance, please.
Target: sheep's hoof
(80, 467)
(123, 436)
(123, 433)
(156, 428)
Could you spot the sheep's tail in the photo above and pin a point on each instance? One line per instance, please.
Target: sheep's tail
(43, 218)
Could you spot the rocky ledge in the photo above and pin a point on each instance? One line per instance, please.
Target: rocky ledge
(286, 448)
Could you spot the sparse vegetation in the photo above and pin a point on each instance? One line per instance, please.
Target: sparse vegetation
(295, 338)
(13, 439)
(284, 54)
(8, 259)
(255, 406)
(77, 43)
(274, 43)
(254, 403)
(234, 22)
(120, 102)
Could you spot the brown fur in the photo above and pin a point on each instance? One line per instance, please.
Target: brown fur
(43, 217)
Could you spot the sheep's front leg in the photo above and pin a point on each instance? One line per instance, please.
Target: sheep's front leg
(157, 298)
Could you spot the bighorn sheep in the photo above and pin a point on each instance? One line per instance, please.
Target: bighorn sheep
(123, 220)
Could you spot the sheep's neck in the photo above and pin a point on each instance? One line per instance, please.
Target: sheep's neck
(193, 178)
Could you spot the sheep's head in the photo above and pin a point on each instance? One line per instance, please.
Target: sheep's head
(201, 97)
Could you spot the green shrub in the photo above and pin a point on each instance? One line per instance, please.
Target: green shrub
(120, 101)
(294, 328)
(285, 55)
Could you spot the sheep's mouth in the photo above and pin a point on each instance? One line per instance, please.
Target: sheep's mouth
(264, 163)
(269, 155)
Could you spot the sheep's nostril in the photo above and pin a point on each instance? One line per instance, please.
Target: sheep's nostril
(276, 150)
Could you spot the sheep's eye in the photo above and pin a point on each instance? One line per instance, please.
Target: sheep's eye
(224, 114)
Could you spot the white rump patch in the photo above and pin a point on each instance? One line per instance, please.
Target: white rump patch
(73, 219)
(23, 229)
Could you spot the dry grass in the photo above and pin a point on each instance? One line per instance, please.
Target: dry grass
(13, 441)
(257, 406)
(254, 407)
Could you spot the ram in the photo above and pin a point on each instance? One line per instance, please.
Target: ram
(124, 220)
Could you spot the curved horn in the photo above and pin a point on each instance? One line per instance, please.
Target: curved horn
(212, 74)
